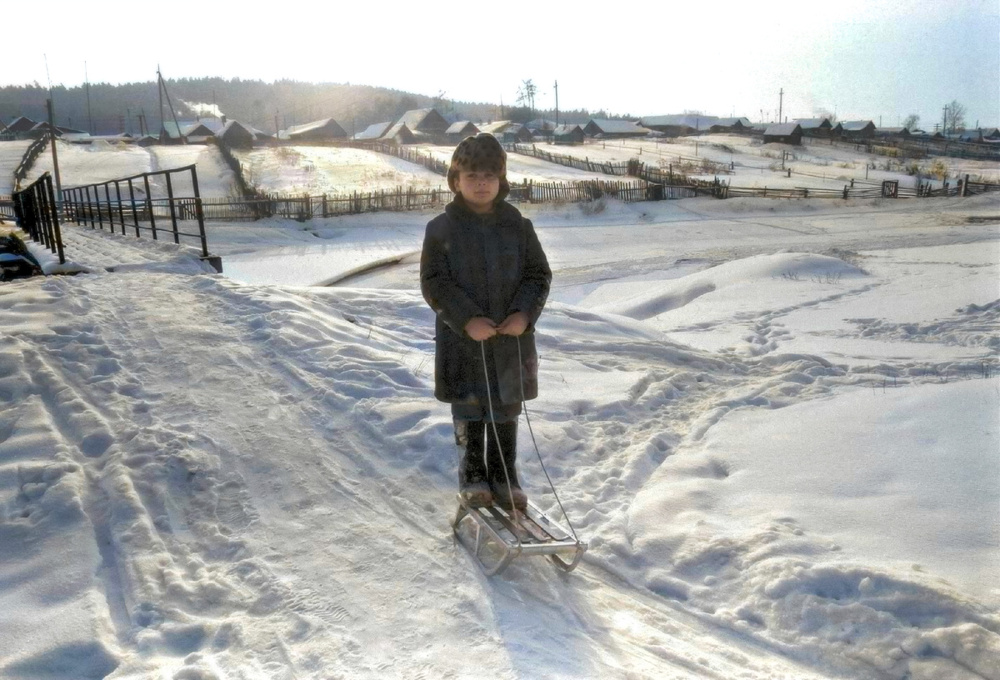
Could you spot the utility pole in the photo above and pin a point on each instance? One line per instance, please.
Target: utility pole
(55, 156)
(276, 128)
(781, 101)
(944, 121)
(557, 103)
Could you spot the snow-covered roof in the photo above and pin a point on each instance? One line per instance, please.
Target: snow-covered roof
(496, 127)
(856, 125)
(567, 129)
(692, 120)
(738, 121)
(617, 127)
(813, 123)
(374, 131)
(328, 124)
(460, 127)
(414, 118)
(782, 129)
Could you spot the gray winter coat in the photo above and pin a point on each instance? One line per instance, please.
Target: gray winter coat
(490, 266)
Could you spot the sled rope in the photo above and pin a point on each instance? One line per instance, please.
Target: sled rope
(524, 407)
(496, 435)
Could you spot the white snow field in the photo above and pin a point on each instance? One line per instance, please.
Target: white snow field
(777, 424)
(316, 170)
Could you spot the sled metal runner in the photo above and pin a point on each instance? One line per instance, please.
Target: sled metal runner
(515, 534)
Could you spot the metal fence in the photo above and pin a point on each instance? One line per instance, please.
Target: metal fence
(129, 204)
(36, 213)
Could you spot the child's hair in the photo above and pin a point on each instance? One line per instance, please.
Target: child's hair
(476, 154)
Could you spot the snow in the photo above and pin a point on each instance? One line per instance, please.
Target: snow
(11, 153)
(775, 423)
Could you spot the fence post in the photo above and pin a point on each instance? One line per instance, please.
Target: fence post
(149, 205)
(121, 212)
(55, 224)
(135, 213)
(173, 212)
(199, 212)
(100, 216)
(965, 187)
(90, 205)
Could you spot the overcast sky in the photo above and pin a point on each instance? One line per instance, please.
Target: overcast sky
(877, 59)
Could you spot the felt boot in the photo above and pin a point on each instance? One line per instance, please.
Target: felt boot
(473, 482)
(502, 469)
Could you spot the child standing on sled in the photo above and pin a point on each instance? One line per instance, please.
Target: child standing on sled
(484, 274)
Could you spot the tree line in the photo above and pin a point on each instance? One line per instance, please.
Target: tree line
(104, 108)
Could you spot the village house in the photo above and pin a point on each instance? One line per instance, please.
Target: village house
(783, 133)
(613, 129)
(400, 133)
(425, 125)
(815, 127)
(679, 125)
(21, 125)
(459, 130)
(568, 134)
(857, 129)
(326, 130)
(236, 135)
(733, 125)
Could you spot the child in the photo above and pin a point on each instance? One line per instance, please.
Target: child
(484, 274)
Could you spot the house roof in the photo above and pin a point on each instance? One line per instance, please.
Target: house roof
(414, 118)
(567, 129)
(221, 132)
(856, 125)
(813, 123)
(496, 127)
(733, 122)
(541, 124)
(461, 126)
(617, 126)
(21, 124)
(374, 131)
(893, 131)
(782, 129)
(328, 124)
(398, 129)
(691, 120)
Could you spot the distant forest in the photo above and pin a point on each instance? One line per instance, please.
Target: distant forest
(117, 108)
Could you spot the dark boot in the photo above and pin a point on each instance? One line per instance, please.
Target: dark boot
(473, 482)
(502, 469)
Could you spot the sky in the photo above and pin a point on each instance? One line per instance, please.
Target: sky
(858, 58)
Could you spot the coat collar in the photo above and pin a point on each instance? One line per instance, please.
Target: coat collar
(504, 213)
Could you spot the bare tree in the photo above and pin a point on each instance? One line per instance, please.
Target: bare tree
(954, 116)
(526, 94)
(911, 122)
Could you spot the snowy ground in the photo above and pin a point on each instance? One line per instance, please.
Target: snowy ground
(815, 164)
(521, 168)
(775, 422)
(11, 153)
(101, 161)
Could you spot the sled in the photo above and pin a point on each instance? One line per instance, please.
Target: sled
(514, 534)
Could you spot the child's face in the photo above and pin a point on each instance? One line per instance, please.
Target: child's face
(479, 188)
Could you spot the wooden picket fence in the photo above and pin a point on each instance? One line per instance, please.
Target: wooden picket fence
(608, 167)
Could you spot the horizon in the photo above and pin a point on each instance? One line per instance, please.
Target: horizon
(867, 61)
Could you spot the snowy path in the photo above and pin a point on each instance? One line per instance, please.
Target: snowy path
(202, 478)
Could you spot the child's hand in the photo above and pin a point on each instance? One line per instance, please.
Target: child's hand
(515, 324)
(480, 328)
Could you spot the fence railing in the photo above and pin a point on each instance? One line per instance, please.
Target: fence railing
(6, 207)
(607, 167)
(410, 154)
(137, 211)
(28, 159)
(36, 213)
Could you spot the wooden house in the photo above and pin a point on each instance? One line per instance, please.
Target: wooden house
(568, 134)
(426, 125)
(857, 129)
(783, 133)
(326, 130)
(815, 127)
(39, 130)
(516, 134)
(679, 125)
(236, 135)
(892, 132)
(613, 129)
(733, 125)
(400, 134)
(21, 125)
(459, 130)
